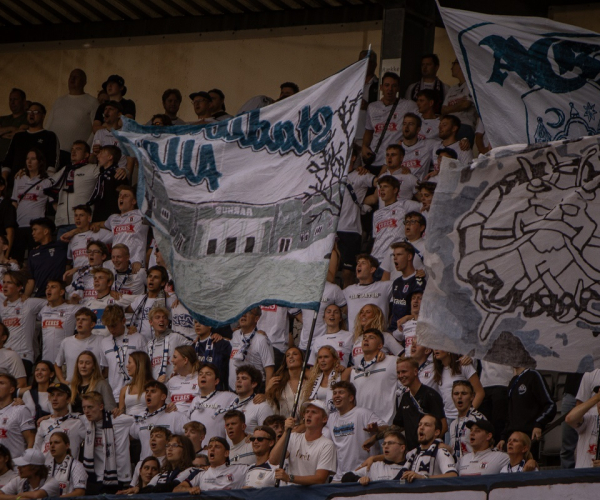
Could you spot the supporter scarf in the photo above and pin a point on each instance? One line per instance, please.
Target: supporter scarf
(207, 349)
(108, 452)
(106, 174)
(121, 361)
(235, 405)
(165, 356)
(66, 180)
(78, 283)
(425, 458)
(59, 421)
(317, 384)
(246, 341)
(200, 405)
(146, 415)
(364, 366)
(516, 468)
(62, 472)
(458, 433)
(118, 274)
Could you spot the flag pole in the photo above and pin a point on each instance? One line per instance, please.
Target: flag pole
(288, 432)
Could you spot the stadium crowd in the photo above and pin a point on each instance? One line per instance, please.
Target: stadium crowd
(109, 385)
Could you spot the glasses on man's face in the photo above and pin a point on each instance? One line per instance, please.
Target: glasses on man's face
(34, 112)
(259, 439)
(93, 252)
(390, 443)
(410, 222)
(173, 445)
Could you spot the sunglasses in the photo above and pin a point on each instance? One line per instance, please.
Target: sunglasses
(259, 439)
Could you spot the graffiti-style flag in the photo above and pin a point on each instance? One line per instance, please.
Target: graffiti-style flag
(513, 251)
(533, 80)
(245, 210)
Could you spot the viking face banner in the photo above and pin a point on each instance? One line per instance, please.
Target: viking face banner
(245, 210)
(533, 80)
(514, 254)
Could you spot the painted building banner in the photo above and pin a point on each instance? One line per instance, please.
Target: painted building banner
(245, 210)
(513, 257)
(533, 80)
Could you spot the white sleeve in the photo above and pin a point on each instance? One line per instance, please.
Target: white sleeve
(51, 487)
(78, 476)
(136, 474)
(468, 371)
(12, 487)
(339, 299)
(264, 411)
(26, 420)
(445, 462)
(327, 459)
(108, 224)
(368, 122)
(266, 353)
(362, 472)
(584, 392)
(36, 305)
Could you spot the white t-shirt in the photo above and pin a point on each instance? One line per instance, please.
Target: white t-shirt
(274, 321)
(71, 118)
(388, 228)
(430, 128)
(224, 477)
(255, 414)
(418, 157)
(341, 341)
(375, 388)
(114, 355)
(10, 362)
(32, 205)
(259, 355)
(128, 283)
(445, 388)
(17, 485)
(408, 184)
(482, 463)
(390, 347)
(71, 347)
(260, 476)
(493, 374)
(161, 349)
(141, 427)
(69, 424)
(456, 93)
(350, 213)
(14, 420)
(99, 305)
(204, 410)
(332, 294)
(460, 433)
(183, 390)
(463, 156)
(58, 323)
(587, 384)
(42, 401)
(588, 440)
(70, 476)
(378, 293)
(307, 457)
(377, 115)
(19, 317)
(241, 453)
(106, 138)
(77, 251)
(121, 427)
(7, 477)
(380, 471)
(348, 434)
(129, 229)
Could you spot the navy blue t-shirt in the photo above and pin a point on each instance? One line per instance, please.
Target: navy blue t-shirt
(47, 262)
(402, 289)
(218, 354)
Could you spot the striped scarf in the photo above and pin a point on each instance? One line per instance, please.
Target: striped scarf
(109, 451)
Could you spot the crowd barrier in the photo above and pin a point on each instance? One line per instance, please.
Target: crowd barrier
(580, 484)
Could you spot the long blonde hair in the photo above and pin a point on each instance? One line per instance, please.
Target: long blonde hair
(77, 381)
(315, 371)
(378, 321)
(143, 372)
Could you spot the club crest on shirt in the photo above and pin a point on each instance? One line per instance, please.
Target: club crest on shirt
(522, 389)
(230, 478)
(405, 289)
(51, 252)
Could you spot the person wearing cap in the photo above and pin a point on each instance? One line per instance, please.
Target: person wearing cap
(61, 420)
(201, 102)
(312, 457)
(17, 428)
(441, 153)
(585, 418)
(484, 459)
(375, 381)
(220, 475)
(217, 105)
(463, 395)
(33, 479)
(116, 90)
(113, 110)
(262, 473)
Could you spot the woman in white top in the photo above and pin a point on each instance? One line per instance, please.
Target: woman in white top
(183, 384)
(29, 200)
(448, 368)
(36, 398)
(371, 316)
(70, 473)
(6, 466)
(326, 372)
(132, 398)
(341, 340)
(282, 387)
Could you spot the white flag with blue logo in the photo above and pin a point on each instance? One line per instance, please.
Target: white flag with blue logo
(245, 210)
(533, 80)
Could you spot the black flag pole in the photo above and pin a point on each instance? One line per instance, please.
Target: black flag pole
(288, 433)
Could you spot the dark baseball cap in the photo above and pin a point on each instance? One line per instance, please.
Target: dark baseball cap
(118, 80)
(60, 387)
(114, 104)
(449, 151)
(482, 423)
(206, 95)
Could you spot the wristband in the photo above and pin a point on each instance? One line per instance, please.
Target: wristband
(291, 478)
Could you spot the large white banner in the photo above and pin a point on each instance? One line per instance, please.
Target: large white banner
(533, 80)
(513, 251)
(245, 210)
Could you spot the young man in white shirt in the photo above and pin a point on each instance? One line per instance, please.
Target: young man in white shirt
(418, 152)
(375, 381)
(394, 457)
(367, 290)
(430, 121)
(248, 347)
(71, 347)
(61, 420)
(126, 281)
(448, 130)
(10, 361)
(57, 319)
(262, 473)
(116, 348)
(82, 286)
(248, 380)
(106, 447)
(155, 415)
(77, 251)
(128, 227)
(240, 451)
(159, 437)
(463, 395)
(387, 221)
(19, 317)
(17, 428)
(484, 459)
(350, 427)
(585, 418)
(312, 457)
(162, 346)
(429, 459)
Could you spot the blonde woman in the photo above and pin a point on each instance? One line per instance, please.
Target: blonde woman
(371, 316)
(132, 398)
(183, 384)
(87, 377)
(326, 372)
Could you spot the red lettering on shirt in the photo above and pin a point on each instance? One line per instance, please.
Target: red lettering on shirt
(10, 322)
(357, 351)
(46, 447)
(124, 228)
(269, 308)
(52, 323)
(233, 353)
(592, 449)
(98, 441)
(89, 293)
(3, 434)
(386, 223)
(156, 361)
(414, 164)
(392, 127)
(81, 252)
(182, 398)
(30, 197)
